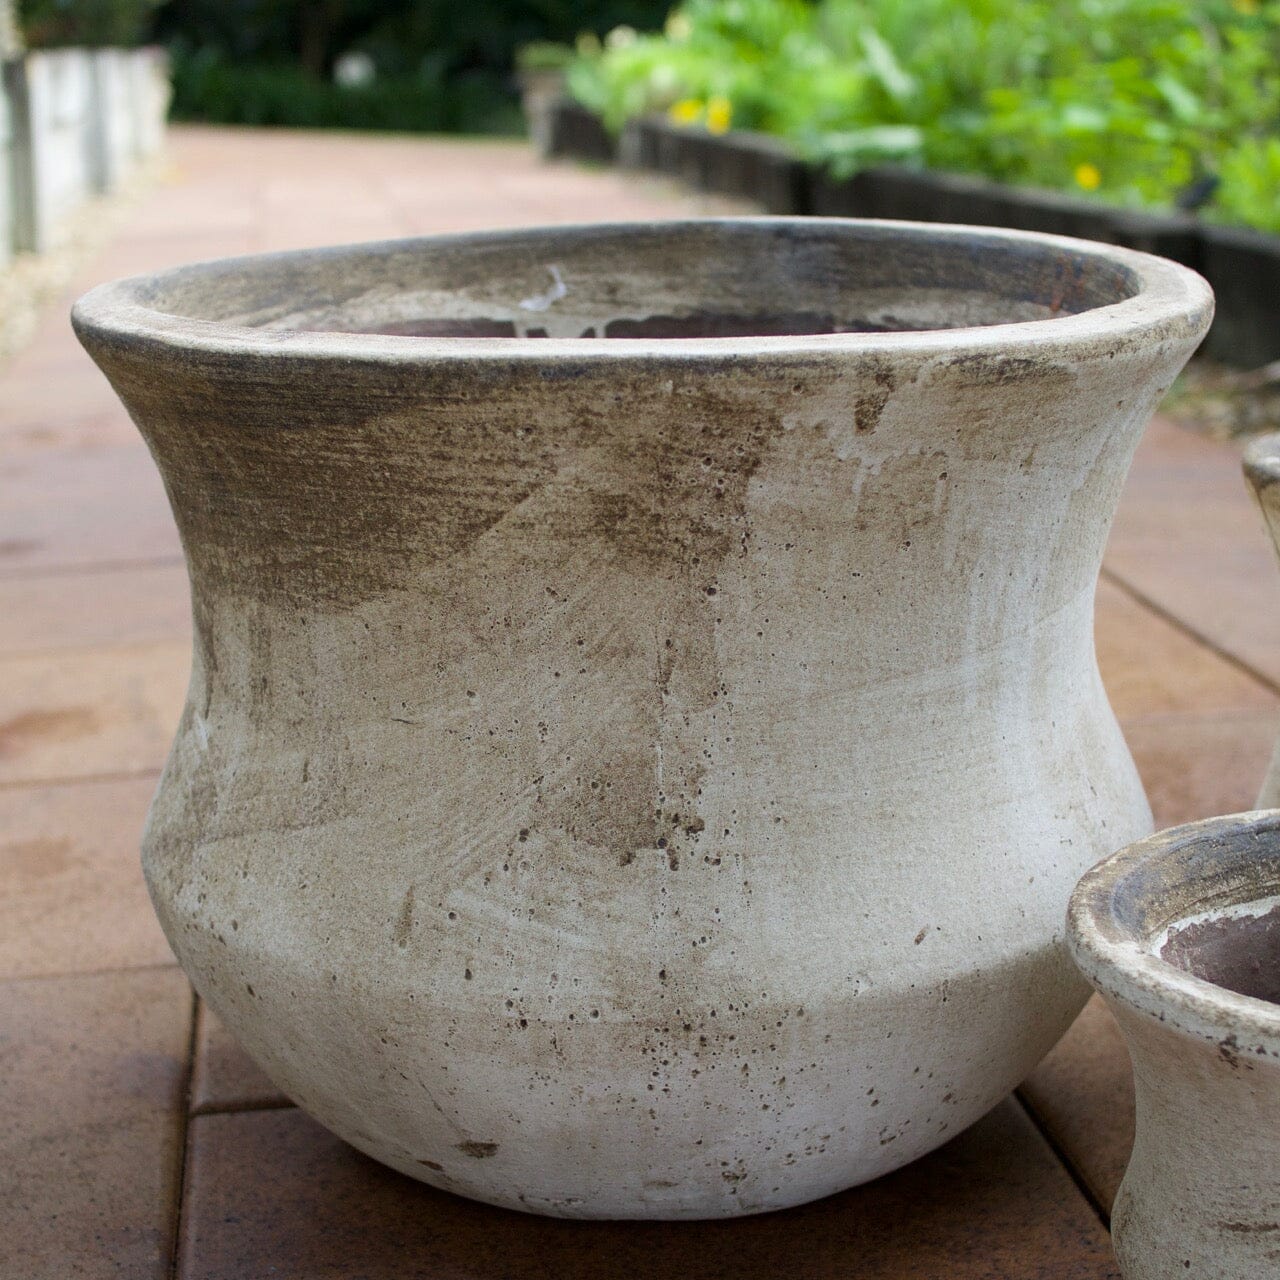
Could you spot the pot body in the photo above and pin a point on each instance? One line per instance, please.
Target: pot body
(1201, 1195)
(642, 786)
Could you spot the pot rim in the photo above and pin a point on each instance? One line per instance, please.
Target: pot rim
(1169, 301)
(1115, 948)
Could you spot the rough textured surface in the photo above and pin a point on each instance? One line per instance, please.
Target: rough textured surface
(553, 809)
(1201, 1196)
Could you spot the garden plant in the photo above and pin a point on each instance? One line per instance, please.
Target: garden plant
(1151, 103)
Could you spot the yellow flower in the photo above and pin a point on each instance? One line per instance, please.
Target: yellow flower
(1088, 176)
(686, 111)
(719, 115)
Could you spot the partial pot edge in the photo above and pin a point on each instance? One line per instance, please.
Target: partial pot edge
(1112, 944)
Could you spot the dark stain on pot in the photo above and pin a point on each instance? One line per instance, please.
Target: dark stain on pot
(321, 482)
(868, 406)
(478, 1150)
(1240, 953)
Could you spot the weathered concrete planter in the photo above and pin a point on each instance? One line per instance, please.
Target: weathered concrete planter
(1262, 470)
(644, 776)
(1181, 935)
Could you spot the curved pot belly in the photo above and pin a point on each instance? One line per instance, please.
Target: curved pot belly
(690, 983)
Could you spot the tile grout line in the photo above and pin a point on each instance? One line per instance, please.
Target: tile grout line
(62, 975)
(1141, 598)
(69, 780)
(1064, 1160)
(101, 646)
(184, 1145)
(215, 1109)
(67, 569)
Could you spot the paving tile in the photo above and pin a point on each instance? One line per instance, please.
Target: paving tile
(271, 1193)
(224, 1077)
(1082, 1096)
(92, 1071)
(1196, 766)
(74, 509)
(88, 712)
(1189, 537)
(1151, 667)
(81, 609)
(72, 898)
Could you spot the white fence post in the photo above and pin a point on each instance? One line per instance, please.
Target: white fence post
(60, 105)
(72, 122)
(110, 119)
(6, 180)
(23, 205)
(151, 90)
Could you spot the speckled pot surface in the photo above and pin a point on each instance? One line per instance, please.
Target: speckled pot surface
(641, 774)
(1262, 470)
(1181, 935)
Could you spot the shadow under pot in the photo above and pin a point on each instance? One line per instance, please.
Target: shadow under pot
(644, 725)
(1181, 934)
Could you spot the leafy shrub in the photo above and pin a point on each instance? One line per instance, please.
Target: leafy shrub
(1250, 191)
(1133, 99)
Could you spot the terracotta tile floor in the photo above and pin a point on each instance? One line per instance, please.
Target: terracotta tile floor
(135, 1137)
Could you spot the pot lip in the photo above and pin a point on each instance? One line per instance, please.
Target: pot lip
(1118, 956)
(1170, 301)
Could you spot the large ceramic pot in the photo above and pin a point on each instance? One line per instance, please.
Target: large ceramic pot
(1262, 470)
(641, 771)
(1181, 935)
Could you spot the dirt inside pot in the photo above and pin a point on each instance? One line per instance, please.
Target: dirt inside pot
(1238, 952)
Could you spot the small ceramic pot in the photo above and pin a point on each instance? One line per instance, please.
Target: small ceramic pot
(1181, 934)
(1262, 470)
(644, 725)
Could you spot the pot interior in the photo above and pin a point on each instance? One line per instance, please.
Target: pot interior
(1205, 898)
(1238, 948)
(708, 279)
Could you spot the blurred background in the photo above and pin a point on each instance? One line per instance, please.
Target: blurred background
(1150, 103)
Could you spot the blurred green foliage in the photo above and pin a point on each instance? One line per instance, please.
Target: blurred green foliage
(208, 86)
(90, 23)
(1134, 99)
(438, 65)
(397, 34)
